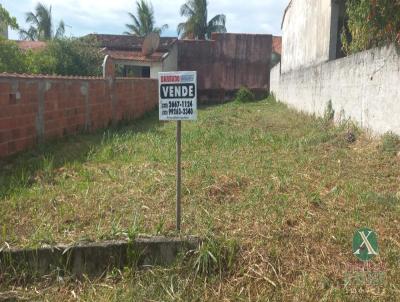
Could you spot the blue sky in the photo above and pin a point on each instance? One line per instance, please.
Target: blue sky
(110, 16)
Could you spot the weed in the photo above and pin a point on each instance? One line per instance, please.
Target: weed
(289, 187)
(329, 113)
(390, 143)
(244, 95)
(215, 255)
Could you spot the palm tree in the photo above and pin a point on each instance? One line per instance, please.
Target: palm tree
(196, 25)
(144, 21)
(41, 25)
(6, 19)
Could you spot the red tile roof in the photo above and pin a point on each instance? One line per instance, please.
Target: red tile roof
(277, 45)
(31, 45)
(134, 56)
(129, 42)
(46, 76)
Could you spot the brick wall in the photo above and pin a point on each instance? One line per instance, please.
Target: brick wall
(35, 109)
(226, 63)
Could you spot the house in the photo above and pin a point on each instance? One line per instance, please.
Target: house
(31, 45)
(224, 64)
(126, 52)
(276, 50)
(311, 33)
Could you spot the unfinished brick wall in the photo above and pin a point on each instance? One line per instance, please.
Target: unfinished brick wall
(35, 109)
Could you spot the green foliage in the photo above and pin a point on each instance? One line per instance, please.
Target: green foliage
(70, 57)
(215, 256)
(244, 95)
(6, 19)
(11, 58)
(144, 21)
(390, 143)
(42, 25)
(371, 23)
(196, 25)
(61, 57)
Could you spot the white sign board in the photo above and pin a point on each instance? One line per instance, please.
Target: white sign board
(178, 95)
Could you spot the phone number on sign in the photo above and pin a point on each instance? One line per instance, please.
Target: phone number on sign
(180, 104)
(180, 111)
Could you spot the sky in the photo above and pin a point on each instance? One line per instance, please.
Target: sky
(110, 16)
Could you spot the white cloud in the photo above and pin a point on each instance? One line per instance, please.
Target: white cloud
(110, 16)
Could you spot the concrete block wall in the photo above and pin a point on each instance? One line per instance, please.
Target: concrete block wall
(364, 87)
(35, 109)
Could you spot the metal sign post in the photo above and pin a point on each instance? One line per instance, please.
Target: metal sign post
(178, 102)
(178, 175)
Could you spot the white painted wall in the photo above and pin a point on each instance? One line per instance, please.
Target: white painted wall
(306, 39)
(364, 87)
(171, 62)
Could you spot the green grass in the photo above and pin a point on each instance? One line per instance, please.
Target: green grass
(287, 188)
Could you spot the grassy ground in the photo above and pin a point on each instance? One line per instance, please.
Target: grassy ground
(288, 188)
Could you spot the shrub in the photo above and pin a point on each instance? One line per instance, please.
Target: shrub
(68, 56)
(244, 95)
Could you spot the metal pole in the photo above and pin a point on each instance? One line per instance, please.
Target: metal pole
(178, 176)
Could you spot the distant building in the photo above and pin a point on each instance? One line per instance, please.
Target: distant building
(311, 33)
(126, 52)
(276, 50)
(31, 45)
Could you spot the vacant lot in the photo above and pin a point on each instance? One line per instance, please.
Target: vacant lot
(290, 189)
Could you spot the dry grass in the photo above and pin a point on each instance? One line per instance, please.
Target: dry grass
(289, 188)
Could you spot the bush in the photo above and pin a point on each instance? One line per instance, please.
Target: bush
(71, 57)
(244, 95)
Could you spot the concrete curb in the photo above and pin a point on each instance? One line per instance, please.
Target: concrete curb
(93, 259)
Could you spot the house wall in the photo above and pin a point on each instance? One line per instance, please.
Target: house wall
(35, 109)
(171, 62)
(309, 33)
(226, 63)
(364, 87)
(155, 68)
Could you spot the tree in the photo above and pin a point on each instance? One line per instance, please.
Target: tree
(144, 21)
(68, 56)
(41, 25)
(370, 23)
(196, 25)
(6, 19)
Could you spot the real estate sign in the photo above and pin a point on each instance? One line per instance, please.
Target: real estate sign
(178, 95)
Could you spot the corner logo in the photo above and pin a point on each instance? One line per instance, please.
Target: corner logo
(365, 244)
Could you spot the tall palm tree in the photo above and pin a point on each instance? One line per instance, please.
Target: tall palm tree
(144, 21)
(6, 19)
(41, 25)
(196, 25)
